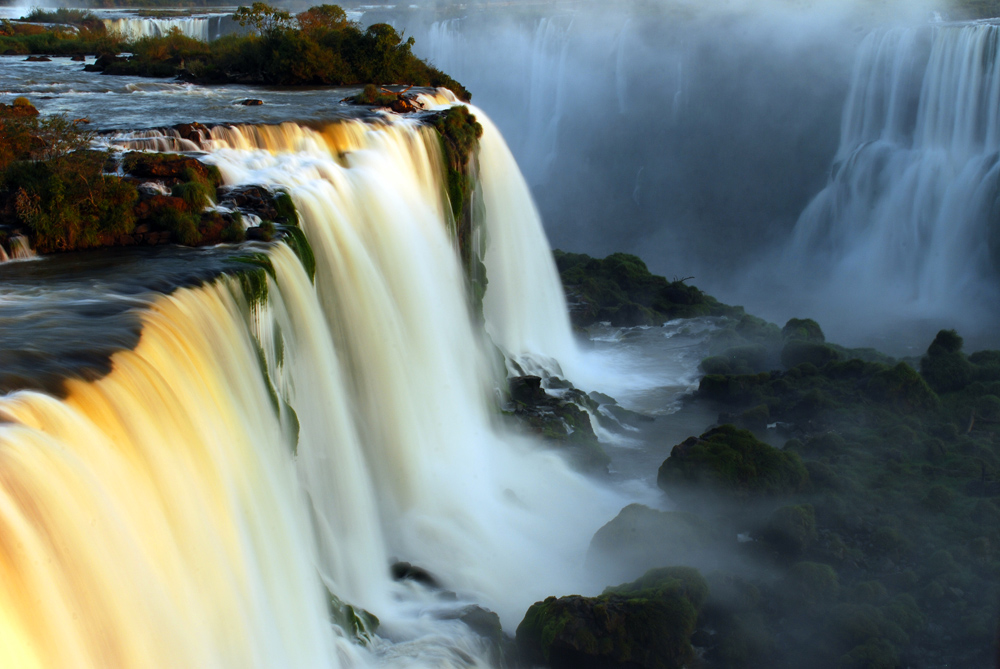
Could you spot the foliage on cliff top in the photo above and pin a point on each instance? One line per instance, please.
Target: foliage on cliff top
(621, 289)
(52, 184)
(893, 545)
(317, 47)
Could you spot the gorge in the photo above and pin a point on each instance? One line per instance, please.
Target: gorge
(360, 442)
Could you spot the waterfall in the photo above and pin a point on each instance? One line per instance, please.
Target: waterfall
(201, 28)
(268, 440)
(907, 216)
(151, 517)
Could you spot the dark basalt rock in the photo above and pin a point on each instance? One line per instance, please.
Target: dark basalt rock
(102, 63)
(559, 420)
(193, 132)
(404, 571)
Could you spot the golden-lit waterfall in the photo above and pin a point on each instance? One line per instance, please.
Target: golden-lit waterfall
(265, 444)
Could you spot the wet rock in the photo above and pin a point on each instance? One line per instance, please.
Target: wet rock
(103, 62)
(558, 420)
(404, 571)
(163, 166)
(193, 132)
(38, 59)
(250, 102)
(78, 59)
(254, 200)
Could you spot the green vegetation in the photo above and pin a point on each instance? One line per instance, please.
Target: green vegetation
(56, 187)
(90, 36)
(888, 553)
(57, 192)
(734, 462)
(620, 289)
(77, 17)
(645, 624)
(869, 522)
(317, 47)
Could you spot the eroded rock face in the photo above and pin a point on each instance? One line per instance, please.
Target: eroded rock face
(559, 420)
(646, 624)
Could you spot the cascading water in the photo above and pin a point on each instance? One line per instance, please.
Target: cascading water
(200, 28)
(906, 222)
(261, 443)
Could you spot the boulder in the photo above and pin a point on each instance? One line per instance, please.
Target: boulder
(646, 624)
(733, 463)
(404, 571)
(250, 102)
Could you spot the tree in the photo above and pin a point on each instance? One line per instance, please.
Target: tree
(324, 18)
(265, 20)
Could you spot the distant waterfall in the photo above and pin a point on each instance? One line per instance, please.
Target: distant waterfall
(202, 28)
(909, 215)
(268, 441)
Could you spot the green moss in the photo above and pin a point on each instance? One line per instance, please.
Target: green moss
(460, 132)
(285, 208)
(805, 329)
(183, 226)
(296, 239)
(360, 625)
(649, 621)
(196, 194)
(733, 462)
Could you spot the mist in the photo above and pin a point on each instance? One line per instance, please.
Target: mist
(697, 138)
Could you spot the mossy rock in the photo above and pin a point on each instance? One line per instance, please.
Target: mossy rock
(805, 329)
(646, 624)
(732, 462)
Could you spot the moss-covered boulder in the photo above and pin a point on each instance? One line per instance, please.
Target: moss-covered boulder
(732, 462)
(945, 367)
(805, 329)
(622, 290)
(646, 624)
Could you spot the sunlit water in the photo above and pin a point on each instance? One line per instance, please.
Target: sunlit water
(370, 438)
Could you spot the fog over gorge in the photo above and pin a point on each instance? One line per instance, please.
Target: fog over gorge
(697, 137)
(500, 335)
